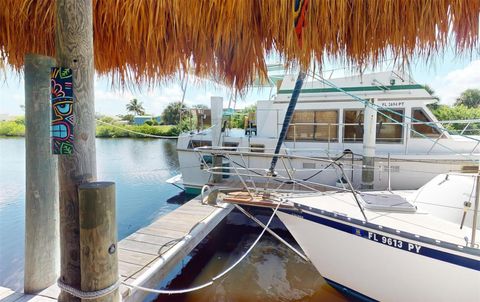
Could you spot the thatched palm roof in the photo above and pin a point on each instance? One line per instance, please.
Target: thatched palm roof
(150, 40)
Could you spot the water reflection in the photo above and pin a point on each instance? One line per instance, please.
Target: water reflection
(180, 198)
(270, 273)
(139, 167)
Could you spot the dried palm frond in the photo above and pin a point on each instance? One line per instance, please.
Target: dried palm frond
(149, 41)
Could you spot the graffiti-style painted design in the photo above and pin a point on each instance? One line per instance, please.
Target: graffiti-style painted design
(62, 111)
(299, 9)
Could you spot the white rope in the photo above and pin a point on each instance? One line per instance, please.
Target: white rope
(205, 188)
(167, 291)
(191, 289)
(90, 294)
(149, 135)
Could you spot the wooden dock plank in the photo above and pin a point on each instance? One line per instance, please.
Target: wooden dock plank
(173, 234)
(5, 292)
(12, 297)
(51, 292)
(127, 270)
(143, 247)
(158, 240)
(33, 298)
(136, 258)
(147, 255)
(202, 225)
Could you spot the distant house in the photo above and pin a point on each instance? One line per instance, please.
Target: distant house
(141, 119)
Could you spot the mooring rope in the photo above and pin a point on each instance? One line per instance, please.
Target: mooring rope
(87, 295)
(151, 135)
(218, 276)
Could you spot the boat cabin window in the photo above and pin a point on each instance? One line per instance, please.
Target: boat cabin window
(259, 148)
(301, 126)
(199, 143)
(428, 130)
(326, 128)
(353, 126)
(390, 126)
(319, 125)
(230, 146)
(388, 131)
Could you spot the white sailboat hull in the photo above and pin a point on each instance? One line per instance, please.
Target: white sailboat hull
(385, 271)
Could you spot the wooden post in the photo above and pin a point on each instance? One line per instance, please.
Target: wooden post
(42, 256)
(98, 238)
(74, 49)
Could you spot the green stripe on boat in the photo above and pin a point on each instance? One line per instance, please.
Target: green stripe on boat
(193, 191)
(352, 89)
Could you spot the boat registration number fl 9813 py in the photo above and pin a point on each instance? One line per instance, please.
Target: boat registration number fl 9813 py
(393, 242)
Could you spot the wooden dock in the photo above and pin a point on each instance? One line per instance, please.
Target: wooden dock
(148, 255)
(48, 295)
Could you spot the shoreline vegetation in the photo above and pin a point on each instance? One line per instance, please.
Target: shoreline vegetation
(107, 127)
(16, 128)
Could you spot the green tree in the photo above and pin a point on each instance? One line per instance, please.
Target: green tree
(136, 107)
(126, 117)
(436, 103)
(173, 111)
(469, 98)
(430, 91)
(238, 119)
(460, 112)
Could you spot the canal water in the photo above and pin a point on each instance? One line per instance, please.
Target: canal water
(139, 168)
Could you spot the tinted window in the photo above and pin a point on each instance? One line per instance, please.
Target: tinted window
(421, 127)
(390, 126)
(353, 126)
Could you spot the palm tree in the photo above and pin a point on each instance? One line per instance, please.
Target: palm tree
(136, 107)
(172, 113)
(436, 104)
(469, 98)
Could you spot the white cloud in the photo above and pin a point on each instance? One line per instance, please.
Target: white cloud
(450, 86)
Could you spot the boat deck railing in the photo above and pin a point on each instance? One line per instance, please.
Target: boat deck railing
(470, 130)
(257, 180)
(411, 129)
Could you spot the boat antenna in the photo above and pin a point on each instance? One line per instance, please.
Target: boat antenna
(299, 10)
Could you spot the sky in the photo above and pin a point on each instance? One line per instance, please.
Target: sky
(447, 75)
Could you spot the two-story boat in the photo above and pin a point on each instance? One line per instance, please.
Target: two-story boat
(410, 145)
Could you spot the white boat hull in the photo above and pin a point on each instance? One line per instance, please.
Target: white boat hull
(390, 271)
(406, 174)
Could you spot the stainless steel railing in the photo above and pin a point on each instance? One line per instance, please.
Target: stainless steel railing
(243, 171)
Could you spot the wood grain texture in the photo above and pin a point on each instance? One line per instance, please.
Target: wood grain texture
(98, 238)
(42, 254)
(74, 49)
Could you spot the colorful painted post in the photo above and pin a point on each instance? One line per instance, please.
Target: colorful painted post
(62, 111)
(42, 255)
(74, 49)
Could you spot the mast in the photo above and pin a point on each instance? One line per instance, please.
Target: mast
(299, 11)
